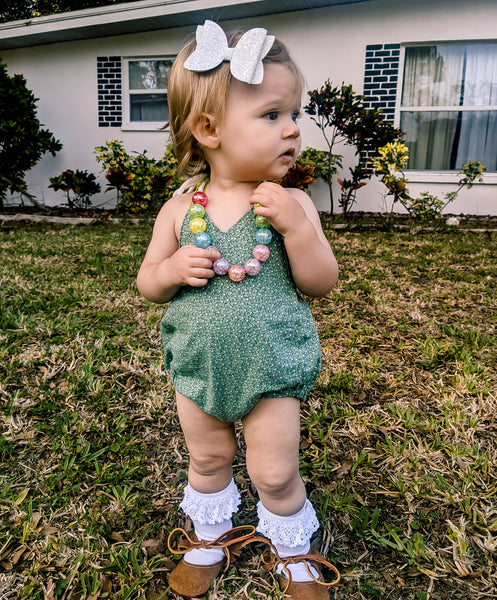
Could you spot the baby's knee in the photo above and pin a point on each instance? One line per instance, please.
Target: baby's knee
(211, 463)
(275, 481)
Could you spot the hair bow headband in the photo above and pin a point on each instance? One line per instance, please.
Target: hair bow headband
(245, 58)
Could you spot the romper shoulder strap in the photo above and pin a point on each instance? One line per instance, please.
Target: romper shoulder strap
(190, 184)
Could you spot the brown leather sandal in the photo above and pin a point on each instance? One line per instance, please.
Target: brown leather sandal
(317, 589)
(190, 580)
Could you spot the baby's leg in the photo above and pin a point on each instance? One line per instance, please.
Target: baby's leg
(211, 444)
(272, 435)
(286, 517)
(211, 495)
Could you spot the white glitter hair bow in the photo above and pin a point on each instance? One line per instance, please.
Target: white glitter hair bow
(245, 58)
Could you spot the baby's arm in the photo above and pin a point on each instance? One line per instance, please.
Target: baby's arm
(166, 267)
(292, 213)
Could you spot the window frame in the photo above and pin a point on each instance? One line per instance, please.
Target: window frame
(127, 124)
(429, 175)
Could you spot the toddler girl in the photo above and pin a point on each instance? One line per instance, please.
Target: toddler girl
(230, 251)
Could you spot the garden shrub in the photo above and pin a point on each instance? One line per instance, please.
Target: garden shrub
(142, 183)
(389, 166)
(325, 164)
(340, 115)
(82, 185)
(23, 141)
(299, 176)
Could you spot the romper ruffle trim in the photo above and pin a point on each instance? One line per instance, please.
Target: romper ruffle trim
(295, 530)
(211, 508)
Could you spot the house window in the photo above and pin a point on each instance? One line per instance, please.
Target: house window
(145, 98)
(449, 105)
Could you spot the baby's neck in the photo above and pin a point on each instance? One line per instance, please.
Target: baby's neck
(220, 188)
(228, 201)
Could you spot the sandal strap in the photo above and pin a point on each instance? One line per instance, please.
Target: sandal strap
(271, 559)
(232, 542)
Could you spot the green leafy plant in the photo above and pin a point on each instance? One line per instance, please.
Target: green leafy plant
(23, 141)
(142, 183)
(425, 208)
(389, 166)
(13, 10)
(82, 185)
(325, 164)
(340, 115)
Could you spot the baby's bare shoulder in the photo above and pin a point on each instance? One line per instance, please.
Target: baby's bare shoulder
(173, 212)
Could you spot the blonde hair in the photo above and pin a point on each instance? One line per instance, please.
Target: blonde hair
(191, 94)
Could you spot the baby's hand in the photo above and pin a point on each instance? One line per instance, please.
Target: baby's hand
(192, 265)
(277, 204)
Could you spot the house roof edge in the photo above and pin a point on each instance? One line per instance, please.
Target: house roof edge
(118, 19)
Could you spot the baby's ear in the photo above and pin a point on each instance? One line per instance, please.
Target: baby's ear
(205, 131)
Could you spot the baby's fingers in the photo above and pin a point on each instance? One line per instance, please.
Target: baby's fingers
(195, 265)
(200, 272)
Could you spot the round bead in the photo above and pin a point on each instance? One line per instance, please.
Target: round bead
(199, 198)
(236, 273)
(198, 225)
(221, 266)
(261, 222)
(252, 266)
(203, 240)
(261, 252)
(263, 236)
(196, 211)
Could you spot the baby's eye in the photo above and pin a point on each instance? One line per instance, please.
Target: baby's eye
(272, 115)
(296, 115)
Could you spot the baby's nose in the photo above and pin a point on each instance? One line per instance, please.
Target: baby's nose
(291, 129)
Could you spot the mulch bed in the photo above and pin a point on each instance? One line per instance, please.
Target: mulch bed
(356, 219)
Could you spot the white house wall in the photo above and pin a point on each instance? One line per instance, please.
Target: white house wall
(327, 43)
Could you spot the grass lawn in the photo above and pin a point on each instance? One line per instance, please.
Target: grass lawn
(399, 449)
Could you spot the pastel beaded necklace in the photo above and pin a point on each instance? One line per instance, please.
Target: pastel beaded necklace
(221, 266)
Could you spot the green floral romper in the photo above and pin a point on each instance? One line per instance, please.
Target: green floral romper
(226, 345)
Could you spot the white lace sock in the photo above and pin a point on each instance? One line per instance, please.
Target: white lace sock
(211, 517)
(291, 536)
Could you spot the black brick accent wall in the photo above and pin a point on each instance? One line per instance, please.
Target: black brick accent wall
(110, 92)
(381, 76)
